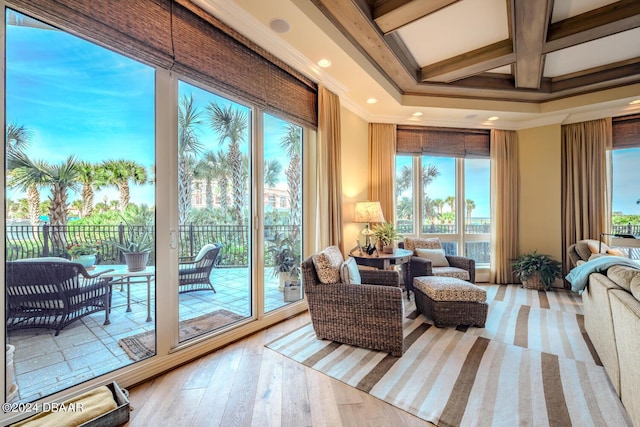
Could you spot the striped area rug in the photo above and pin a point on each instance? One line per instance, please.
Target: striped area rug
(531, 365)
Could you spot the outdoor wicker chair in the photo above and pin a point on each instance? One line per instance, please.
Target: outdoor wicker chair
(364, 315)
(52, 293)
(194, 274)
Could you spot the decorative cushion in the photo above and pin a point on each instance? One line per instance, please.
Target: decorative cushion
(203, 251)
(411, 243)
(327, 264)
(436, 256)
(456, 272)
(594, 256)
(449, 289)
(585, 248)
(349, 272)
(623, 275)
(617, 252)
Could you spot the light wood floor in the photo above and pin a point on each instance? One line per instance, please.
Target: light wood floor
(246, 384)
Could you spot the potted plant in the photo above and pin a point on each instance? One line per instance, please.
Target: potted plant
(537, 271)
(84, 253)
(386, 233)
(286, 260)
(136, 246)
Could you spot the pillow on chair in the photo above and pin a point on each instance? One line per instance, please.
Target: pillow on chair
(436, 256)
(411, 243)
(349, 272)
(327, 264)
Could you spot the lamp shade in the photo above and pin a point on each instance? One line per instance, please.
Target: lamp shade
(368, 212)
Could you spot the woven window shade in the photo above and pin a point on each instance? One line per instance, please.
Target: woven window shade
(203, 48)
(626, 131)
(446, 142)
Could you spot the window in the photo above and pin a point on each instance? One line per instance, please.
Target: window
(625, 175)
(452, 196)
(625, 216)
(81, 145)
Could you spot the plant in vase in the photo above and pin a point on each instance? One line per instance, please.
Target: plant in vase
(386, 233)
(136, 247)
(286, 260)
(537, 271)
(84, 252)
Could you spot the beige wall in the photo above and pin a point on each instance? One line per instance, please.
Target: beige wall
(540, 190)
(355, 160)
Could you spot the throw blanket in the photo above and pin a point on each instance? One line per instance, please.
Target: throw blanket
(579, 276)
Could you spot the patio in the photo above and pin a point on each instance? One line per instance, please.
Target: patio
(45, 364)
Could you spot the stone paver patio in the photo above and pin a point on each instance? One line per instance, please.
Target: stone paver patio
(45, 364)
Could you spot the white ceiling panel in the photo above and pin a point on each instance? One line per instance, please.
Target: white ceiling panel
(606, 50)
(456, 29)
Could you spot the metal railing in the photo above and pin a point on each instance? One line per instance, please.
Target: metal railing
(25, 241)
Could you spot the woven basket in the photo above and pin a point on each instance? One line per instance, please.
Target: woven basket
(534, 282)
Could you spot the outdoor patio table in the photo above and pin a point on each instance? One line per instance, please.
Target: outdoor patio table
(122, 276)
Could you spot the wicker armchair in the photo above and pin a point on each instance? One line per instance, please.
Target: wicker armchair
(52, 293)
(194, 274)
(418, 267)
(367, 315)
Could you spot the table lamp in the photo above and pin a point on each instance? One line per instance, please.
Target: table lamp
(367, 212)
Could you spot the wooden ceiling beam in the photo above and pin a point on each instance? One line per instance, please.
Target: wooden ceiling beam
(628, 70)
(602, 22)
(470, 63)
(531, 19)
(393, 14)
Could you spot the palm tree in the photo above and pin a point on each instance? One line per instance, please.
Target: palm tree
(89, 176)
(62, 177)
(471, 205)
(118, 173)
(429, 173)
(189, 146)
(231, 124)
(291, 142)
(221, 172)
(205, 170)
(404, 179)
(439, 204)
(272, 169)
(29, 176)
(451, 201)
(18, 139)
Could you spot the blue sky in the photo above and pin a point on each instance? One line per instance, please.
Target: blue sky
(77, 98)
(443, 186)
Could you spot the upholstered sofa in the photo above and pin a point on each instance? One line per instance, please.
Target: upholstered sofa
(612, 321)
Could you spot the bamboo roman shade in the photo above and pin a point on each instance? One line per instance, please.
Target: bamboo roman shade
(437, 141)
(180, 36)
(626, 131)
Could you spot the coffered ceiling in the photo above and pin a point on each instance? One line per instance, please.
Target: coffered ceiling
(457, 62)
(519, 50)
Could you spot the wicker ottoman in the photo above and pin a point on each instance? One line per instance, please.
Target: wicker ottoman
(450, 302)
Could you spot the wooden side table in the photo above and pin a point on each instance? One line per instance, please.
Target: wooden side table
(383, 261)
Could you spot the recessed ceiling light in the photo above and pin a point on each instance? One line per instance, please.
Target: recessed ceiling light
(279, 25)
(417, 114)
(324, 63)
(492, 118)
(635, 102)
(371, 101)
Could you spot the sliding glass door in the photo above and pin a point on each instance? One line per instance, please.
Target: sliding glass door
(214, 280)
(80, 161)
